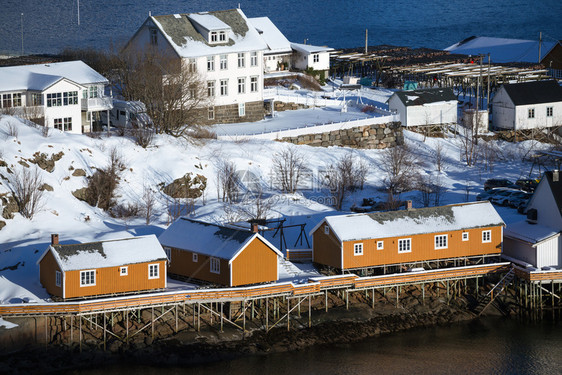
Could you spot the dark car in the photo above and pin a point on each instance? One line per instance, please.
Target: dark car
(497, 182)
(485, 196)
(527, 184)
(502, 197)
(515, 199)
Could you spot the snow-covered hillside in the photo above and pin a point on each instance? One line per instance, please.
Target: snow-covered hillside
(23, 240)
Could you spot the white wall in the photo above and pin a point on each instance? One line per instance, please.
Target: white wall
(503, 110)
(395, 104)
(547, 208)
(547, 253)
(522, 120)
(303, 60)
(73, 111)
(519, 250)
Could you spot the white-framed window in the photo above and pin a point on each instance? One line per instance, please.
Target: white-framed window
(241, 60)
(486, 236)
(254, 59)
(215, 265)
(405, 245)
(7, 100)
(241, 109)
(222, 36)
(88, 278)
(168, 252)
(531, 113)
(57, 123)
(36, 99)
(380, 245)
(210, 88)
(123, 271)
(441, 241)
(70, 98)
(549, 111)
(195, 258)
(53, 100)
(253, 84)
(153, 36)
(224, 87)
(153, 271)
(358, 249)
(315, 58)
(16, 99)
(67, 124)
(211, 113)
(214, 36)
(326, 229)
(192, 65)
(465, 236)
(241, 85)
(224, 62)
(93, 92)
(58, 278)
(210, 63)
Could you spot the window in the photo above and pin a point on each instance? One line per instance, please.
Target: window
(215, 265)
(380, 245)
(153, 36)
(549, 111)
(241, 109)
(405, 245)
(192, 91)
(531, 113)
(58, 124)
(17, 100)
(70, 98)
(168, 252)
(153, 271)
(93, 91)
(195, 258)
(214, 37)
(358, 249)
(224, 87)
(486, 236)
(241, 85)
(224, 62)
(326, 229)
(210, 63)
(36, 99)
(222, 36)
(465, 236)
(254, 59)
(241, 60)
(192, 65)
(54, 100)
(253, 84)
(210, 88)
(123, 271)
(58, 278)
(211, 113)
(315, 58)
(67, 124)
(7, 100)
(88, 278)
(441, 241)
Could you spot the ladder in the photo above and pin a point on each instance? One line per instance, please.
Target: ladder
(497, 290)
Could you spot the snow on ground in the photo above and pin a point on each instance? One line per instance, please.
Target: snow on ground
(23, 240)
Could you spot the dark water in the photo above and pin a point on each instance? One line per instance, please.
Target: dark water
(50, 25)
(491, 346)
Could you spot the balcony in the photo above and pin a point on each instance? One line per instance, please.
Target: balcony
(97, 104)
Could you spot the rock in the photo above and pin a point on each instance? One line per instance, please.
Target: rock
(10, 206)
(45, 163)
(79, 173)
(2, 224)
(46, 187)
(188, 186)
(80, 194)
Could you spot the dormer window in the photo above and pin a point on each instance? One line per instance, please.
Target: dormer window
(222, 36)
(213, 37)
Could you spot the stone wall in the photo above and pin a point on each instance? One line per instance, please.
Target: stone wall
(369, 136)
(228, 114)
(281, 106)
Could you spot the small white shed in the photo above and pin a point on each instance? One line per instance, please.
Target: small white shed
(421, 107)
(533, 244)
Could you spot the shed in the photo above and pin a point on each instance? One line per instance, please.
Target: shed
(421, 107)
(103, 268)
(219, 254)
(533, 244)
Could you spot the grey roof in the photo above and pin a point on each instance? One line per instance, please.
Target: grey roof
(534, 92)
(426, 96)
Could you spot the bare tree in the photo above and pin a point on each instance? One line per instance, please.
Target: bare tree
(400, 166)
(469, 138)
(341, 177)
(25, 186)
(255, 206)
(148, 200)
(227, 181)
(288, 168)
(102, 184)
(439, 156)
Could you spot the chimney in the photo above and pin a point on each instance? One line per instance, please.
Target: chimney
(555, 175)
(254, 227)
(408, 205)
(54, 239)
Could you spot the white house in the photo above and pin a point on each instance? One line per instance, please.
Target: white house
(69, 96)
(527, 105)
(223, 47)
(425, 106)
(279, 54)
(536, 241)
(308, 56)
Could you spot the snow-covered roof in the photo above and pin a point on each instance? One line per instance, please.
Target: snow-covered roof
(41, 76)
(209, 239)
(308, 48)
(426, 96)
(415, 221)
(183, 36)
(502, 50)
(208, 21)
(111, 253)
(276, 41)
(531, 233)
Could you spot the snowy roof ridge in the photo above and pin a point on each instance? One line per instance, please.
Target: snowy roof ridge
(415, 221)
(426, 96)
(273, 37)
(309, 48)
(531, 233)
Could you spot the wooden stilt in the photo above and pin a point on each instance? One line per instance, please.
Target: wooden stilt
(266, 314)
(104, 331)
(288, 313)
(309, 311)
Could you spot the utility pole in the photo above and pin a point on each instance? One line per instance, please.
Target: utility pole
(488, 90)
(366, 41)
(476, 117)
(78, 7)
(22, 34)
(540, 41)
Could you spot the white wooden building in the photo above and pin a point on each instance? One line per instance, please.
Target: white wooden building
(68, 96)
(308, 56)
(421, 107)
(536, 241)
(527, 105)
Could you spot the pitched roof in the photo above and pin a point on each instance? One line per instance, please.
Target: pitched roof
(502, 50)
(309, 48)
(276, 41)
(209, 239)
(426, 96)
(181, 31)
(530, 233)
(534, 92)
(555, 187)
(111, 253)
(416, 221)
(41, 76)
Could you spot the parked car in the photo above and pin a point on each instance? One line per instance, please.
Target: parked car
(502, 197)
(527, 184)
(515, 199)
(496, 183)
(485, 196)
